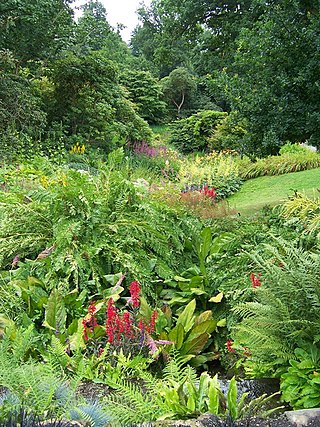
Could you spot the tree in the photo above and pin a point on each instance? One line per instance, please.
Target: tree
(94, 33)
(20, 108)
(178, 87)
(89, 101)
(153, 40)
(276, 86)
(145, 92)
(199, 34)
(35, 30)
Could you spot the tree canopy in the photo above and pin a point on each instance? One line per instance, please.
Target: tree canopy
(256, 60)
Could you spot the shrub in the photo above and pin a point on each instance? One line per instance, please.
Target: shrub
(95, 225)
(192, 134)
(230, 133)
(215, 170)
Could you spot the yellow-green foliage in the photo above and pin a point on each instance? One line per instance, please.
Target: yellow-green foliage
(278, 165)
(305, 210)
(201, 169)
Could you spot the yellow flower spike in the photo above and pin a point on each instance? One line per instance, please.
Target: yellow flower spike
(44, 181)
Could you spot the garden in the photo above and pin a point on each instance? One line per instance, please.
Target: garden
(159, 220)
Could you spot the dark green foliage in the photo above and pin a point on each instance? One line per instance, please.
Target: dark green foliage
(89, 101)
(35, 30)
(274, 87)
(300, 385)
(193, 133)
(20, 107)
(145, 92)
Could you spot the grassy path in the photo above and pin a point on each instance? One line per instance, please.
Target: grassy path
(273, 190)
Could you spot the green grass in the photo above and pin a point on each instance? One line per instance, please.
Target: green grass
(273, 190)
(162, 132)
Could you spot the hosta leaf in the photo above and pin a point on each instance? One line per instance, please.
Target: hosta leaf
(217, 298)
(177, 335)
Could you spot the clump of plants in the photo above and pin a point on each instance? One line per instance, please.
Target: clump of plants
(158, 161)
(292, 158)
(192, 133)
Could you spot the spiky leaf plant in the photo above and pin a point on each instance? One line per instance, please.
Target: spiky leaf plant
(284, 311)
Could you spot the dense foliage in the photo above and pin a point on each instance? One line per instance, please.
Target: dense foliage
(121, 263)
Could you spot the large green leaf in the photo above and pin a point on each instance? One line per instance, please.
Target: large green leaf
(232, 398)
(206, 242)
(186, 318)
(55, 314)
(177, 335)
(195, 345)
(214, 396)
(208, 326)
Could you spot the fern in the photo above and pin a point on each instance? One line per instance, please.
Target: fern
(132, 403)
(90, 414)
(285, 312)
(177, 371)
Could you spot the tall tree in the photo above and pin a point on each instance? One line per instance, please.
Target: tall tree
(276, 88)
(178, 88)
(35, 30)
(94, 33)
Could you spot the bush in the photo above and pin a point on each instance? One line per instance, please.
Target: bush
(193, 133)
(230, 133)
(214, 170)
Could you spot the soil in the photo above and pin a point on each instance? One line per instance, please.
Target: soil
(209, 420)
(92, 391)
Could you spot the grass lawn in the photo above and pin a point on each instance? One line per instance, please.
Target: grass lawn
(273, 190)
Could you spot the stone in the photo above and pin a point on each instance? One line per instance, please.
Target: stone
(302, 417)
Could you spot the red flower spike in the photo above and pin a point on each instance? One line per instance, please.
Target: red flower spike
(255, 280)
(85, 333)
(229, 346)
(151, 327)
(135, 294)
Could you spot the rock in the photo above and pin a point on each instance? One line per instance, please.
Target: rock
(304, 417)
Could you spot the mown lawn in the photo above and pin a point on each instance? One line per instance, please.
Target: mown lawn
(272, 190)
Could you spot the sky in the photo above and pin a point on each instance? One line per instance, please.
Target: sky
(120, 11)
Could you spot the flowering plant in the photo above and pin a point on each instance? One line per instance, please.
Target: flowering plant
(124, 330)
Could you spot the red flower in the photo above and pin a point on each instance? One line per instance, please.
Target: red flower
(128, 329)
(92, 322)
(209, 192)
(135, 294)
(141, 325)
(85, 333)
(246, 352)
(229, 346)
(255, 280)
(151, 327)
(111, 320)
